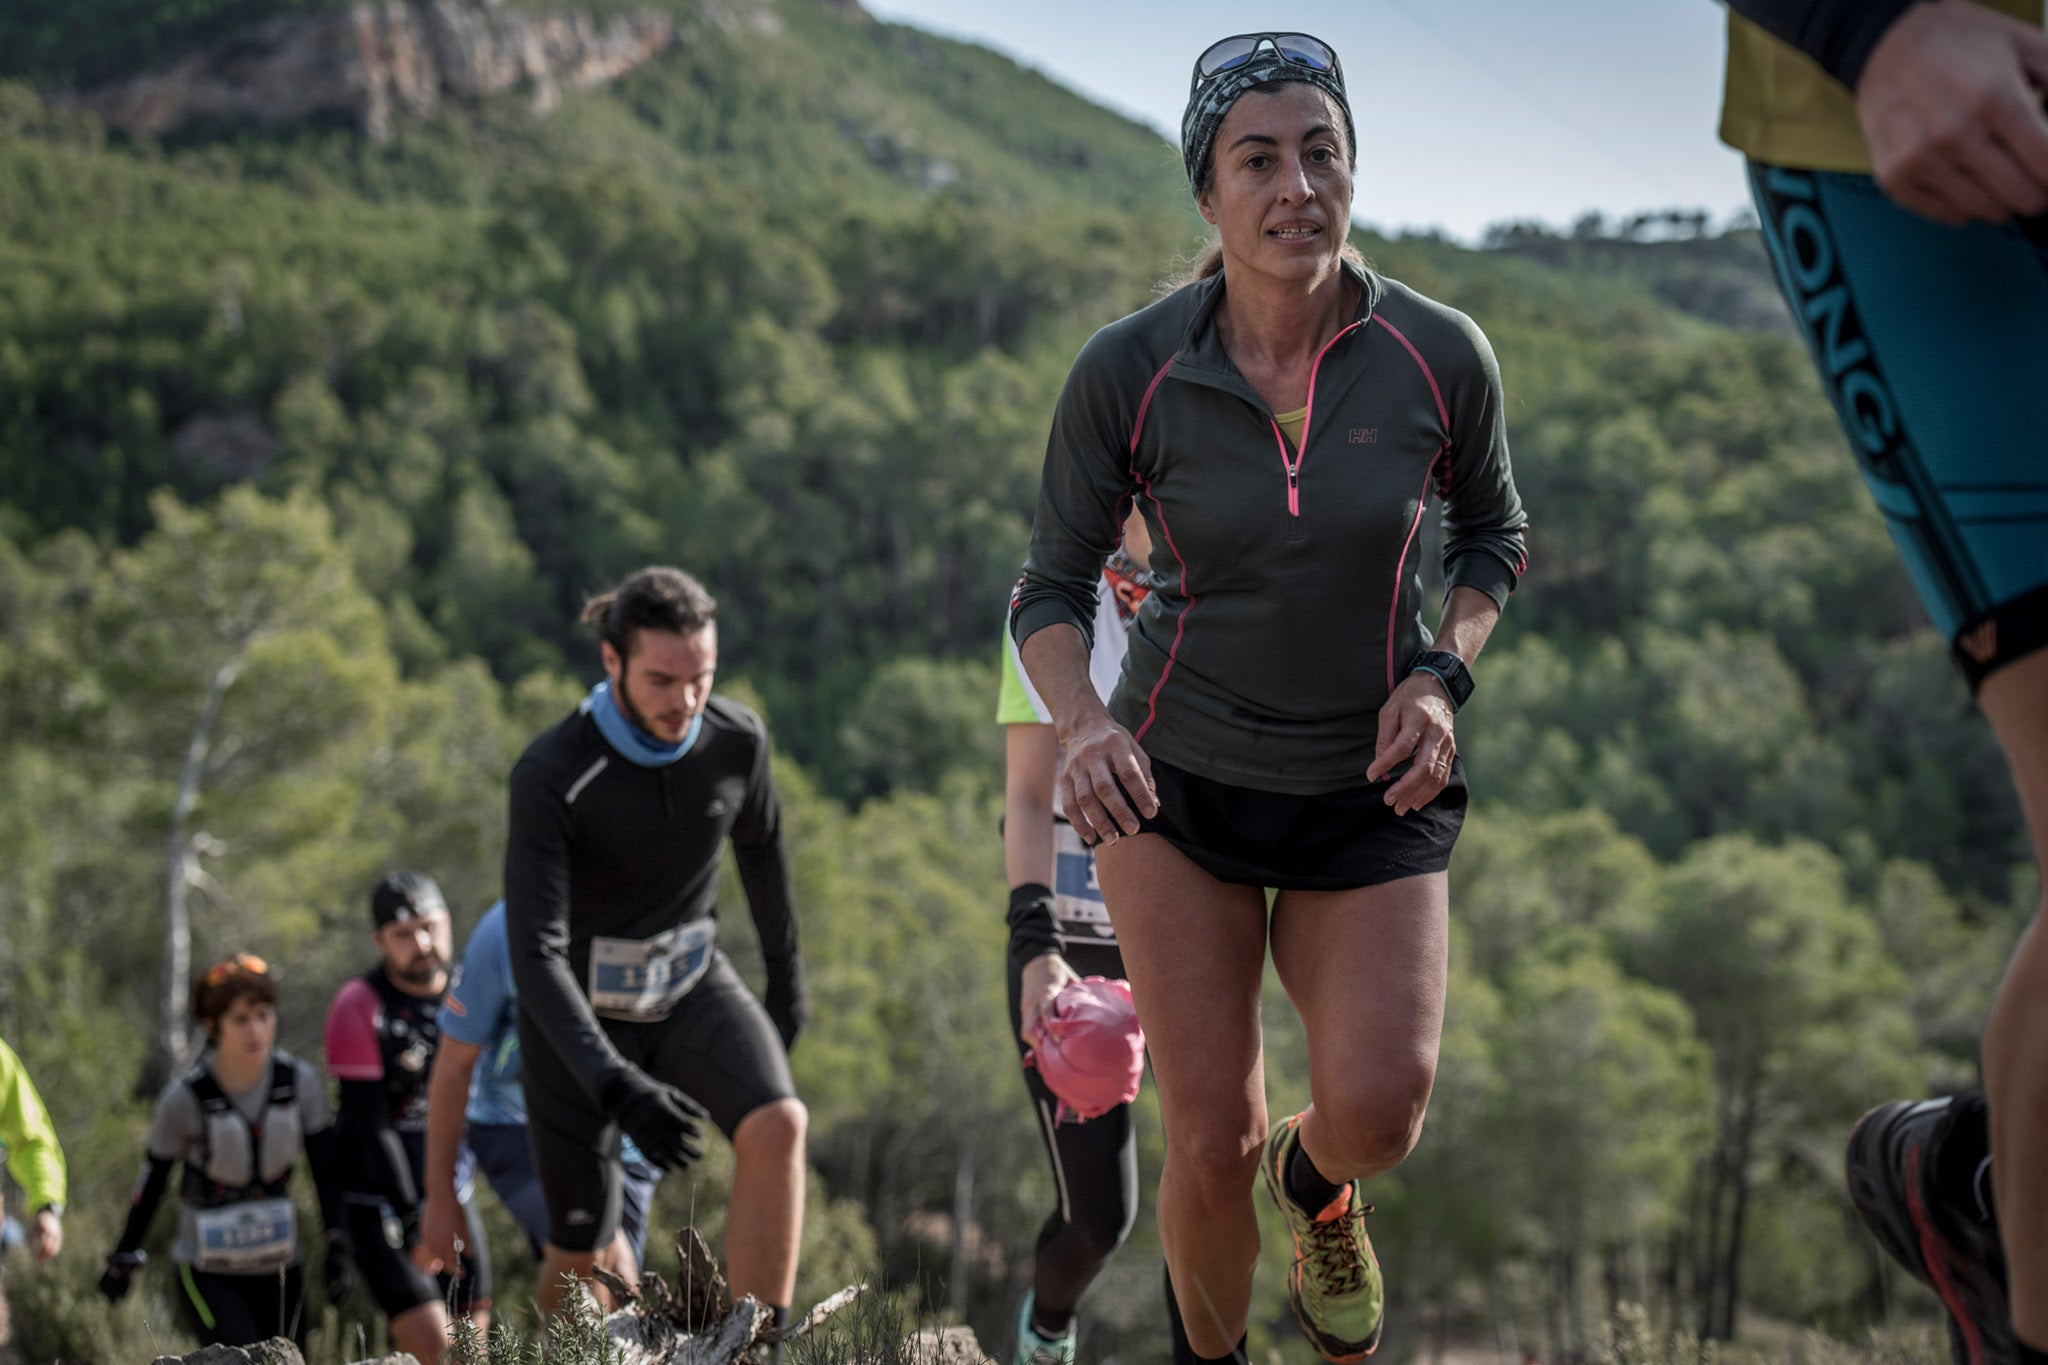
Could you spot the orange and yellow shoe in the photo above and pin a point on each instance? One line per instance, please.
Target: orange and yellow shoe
(1334, 1287)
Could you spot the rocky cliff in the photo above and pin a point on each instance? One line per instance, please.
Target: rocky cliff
(378, 63)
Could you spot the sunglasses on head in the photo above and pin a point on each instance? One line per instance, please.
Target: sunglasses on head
(1229, 54)
(240, 964)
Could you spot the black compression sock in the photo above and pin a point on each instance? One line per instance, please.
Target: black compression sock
(1308, 1187)
(1959, 1162)
(2029, 1355)
(1184, 1354)
(1049, 1325)
(781, 1321)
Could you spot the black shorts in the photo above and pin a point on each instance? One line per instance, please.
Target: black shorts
(395, 1282)
(1329, 842)
(241, 1310)
(717, 1046)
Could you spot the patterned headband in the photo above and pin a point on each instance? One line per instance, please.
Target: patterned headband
(1211, 101)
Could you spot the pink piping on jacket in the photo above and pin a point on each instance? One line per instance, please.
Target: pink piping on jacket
(1401, 567)
(1308, 417)
(1443, 416)
(1179, 621)
(1434, 392)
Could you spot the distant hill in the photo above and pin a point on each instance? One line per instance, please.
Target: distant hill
(1722, 277)
(790, 301)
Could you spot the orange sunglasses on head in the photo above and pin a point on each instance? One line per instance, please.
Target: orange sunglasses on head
(245, 963)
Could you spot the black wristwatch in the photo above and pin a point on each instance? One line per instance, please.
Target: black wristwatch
(1448, 669)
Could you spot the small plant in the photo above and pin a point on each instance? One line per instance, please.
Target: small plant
(868, 1331)
(576, 1333)
(1631, 1340)
(468, 1346)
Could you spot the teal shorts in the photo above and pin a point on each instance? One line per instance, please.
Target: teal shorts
(1932, 343)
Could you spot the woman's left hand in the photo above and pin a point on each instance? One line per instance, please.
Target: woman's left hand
(1415, 723)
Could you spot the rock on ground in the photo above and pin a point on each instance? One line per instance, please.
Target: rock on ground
(948, 1346)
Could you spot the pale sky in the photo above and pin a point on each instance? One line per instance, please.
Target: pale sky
(1469, 111)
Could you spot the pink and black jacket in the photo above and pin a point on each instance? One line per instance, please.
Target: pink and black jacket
(1289, 599)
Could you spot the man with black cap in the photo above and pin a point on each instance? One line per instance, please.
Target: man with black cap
(381, 1034)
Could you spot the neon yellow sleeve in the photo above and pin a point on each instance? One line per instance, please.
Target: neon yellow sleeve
(1014, 704)
(33, 1156)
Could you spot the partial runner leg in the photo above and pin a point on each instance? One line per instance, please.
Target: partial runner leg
(1195, 949)
(2015, 698)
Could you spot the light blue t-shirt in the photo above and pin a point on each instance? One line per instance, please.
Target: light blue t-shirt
(482, 1009)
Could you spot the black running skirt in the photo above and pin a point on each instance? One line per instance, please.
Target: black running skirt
(1332, 841)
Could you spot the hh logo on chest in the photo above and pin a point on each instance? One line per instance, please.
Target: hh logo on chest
(1365, 436)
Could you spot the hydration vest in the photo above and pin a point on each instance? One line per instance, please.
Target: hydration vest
(243, 1160)
(408, 1032)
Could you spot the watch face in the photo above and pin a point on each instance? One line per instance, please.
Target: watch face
(1451, 670)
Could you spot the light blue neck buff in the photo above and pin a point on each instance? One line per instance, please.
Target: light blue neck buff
(633, 743)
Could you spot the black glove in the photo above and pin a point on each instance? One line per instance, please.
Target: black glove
(787, 1002)
(120, 1274)
(341, 1265)
(661, 1120)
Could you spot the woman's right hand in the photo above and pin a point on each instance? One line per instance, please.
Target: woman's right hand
(1043, 978)
(1106, 786)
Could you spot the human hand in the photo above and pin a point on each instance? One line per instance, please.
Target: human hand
(661, 1120)
(1106, 784)
(1950, 103)
(340, 1266)
(787, 1002)
(46, 1234)
(1044, 977)
(1415, 723)
(119, 1276)
(442, 1229)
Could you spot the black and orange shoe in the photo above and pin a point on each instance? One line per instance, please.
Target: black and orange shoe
(1951, 1249)
(1334, 1286)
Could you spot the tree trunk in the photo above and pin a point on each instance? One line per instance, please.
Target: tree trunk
(1731, 1270)
(824, 630)
(180, 870)
(1501, 1302)
(1708, 1262)
(1575, 1304)
(1560, 1348)
(963, 1216)
(900, 550)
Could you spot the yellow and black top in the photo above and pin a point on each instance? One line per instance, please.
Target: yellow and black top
(1791, 67)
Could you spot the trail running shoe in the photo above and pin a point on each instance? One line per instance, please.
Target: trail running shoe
(1334, 1286)
(1033, 1349)
(1949, 1249)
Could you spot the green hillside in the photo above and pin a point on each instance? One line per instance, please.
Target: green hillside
(356, 426)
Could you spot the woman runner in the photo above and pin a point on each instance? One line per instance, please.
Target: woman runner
(239, 1120)
(1059, 933)
(1283, 719)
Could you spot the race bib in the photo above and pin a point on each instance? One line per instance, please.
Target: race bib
(1078, 913)
(240, 1239)
(641, 979)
